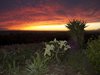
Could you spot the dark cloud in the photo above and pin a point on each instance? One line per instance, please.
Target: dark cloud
(8, 5)
(16, 12)
(3, 29)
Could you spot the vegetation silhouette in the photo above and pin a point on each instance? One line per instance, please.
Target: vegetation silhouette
(76, 28)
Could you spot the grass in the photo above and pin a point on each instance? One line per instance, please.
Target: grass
(29, 59)
(38, 65)
(93, 54)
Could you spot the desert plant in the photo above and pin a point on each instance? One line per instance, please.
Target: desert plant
(38, 66)
(56, 50)
(76, 28)
(78, 62)
(9, 64)
(10, 59)
(13, 69)
(93, 54)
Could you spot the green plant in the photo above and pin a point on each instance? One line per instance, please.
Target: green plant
(93, 54)
(38, 66)
(8, 64)
(13, 69)
(78, 62)
(12, 60)
(56, 50)
(76, 28)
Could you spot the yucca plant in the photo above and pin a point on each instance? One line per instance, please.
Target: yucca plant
(38, 66)
(76, 28)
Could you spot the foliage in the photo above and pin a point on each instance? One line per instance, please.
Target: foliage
(56, 50)
(78, 62)
(12, 60)
(93, 53)
(9, 65)
(13, 69)
(76, 28)
(38, 66)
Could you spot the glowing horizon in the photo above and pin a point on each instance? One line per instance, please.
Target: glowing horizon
(40, 15)
(55, 27)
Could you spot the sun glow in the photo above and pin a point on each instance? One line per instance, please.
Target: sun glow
(47, 28)
(93, 26)
(55, 27)
(90, 26)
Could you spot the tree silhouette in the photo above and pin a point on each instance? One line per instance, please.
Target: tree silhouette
(76, 28)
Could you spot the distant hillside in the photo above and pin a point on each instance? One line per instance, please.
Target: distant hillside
(13, 37)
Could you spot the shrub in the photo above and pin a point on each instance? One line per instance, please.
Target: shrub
(78, 62)
(8, 64)
(56, 50)
(38, 66)
(11, 58)
(13, 69)
(93, 54)
(76, 28)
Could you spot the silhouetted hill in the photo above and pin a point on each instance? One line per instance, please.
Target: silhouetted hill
(13, 37)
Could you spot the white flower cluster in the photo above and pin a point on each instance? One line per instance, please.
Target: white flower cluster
(51, 46)
(48, 49)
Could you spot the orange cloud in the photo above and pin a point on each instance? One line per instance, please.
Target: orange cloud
(48, 12)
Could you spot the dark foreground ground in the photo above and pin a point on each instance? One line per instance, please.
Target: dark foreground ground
(19, 48)
(24, 37)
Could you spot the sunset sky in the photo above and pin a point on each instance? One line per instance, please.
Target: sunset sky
(47, 15)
